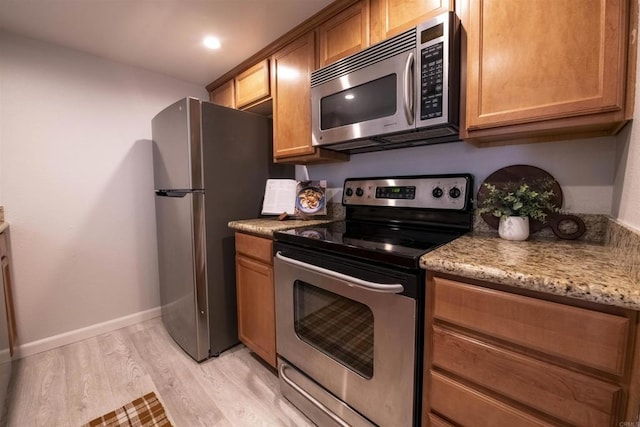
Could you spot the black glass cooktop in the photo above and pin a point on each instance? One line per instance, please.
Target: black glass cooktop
(399, 246)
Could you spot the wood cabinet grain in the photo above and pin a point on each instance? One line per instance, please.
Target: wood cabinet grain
(594, 339)
(291, 74)
(256, 295)
(344, 34)
(551, 72)
(466, 406)
(253, 85)
(569, 396)
(224, 94)
(292, 67)
(8, 292)
(391, 17)
(498, 356)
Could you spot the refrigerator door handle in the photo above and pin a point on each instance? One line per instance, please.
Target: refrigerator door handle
(176, 193)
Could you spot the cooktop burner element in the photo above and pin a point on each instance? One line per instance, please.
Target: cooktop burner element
(393, 220)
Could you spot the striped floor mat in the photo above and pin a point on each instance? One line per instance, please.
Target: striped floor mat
(145, 411)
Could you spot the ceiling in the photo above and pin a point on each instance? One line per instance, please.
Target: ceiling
(160, 35)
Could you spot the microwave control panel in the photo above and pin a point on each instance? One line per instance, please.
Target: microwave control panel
(431, 81)
(437, 70)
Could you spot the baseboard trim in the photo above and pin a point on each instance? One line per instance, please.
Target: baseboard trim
(34, 347)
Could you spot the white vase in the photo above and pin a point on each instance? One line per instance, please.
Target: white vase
(514, 227)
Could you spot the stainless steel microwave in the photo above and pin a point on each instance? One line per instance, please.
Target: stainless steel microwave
(401, 92)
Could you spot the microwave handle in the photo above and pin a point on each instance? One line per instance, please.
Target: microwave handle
(392, 288)
(408, 89)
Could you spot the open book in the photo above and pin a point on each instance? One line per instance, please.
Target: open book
(298, 198)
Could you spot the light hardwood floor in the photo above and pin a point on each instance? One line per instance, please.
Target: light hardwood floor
(70, 385)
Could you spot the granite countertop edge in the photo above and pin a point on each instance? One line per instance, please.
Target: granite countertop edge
(585, 271)
(267, 226)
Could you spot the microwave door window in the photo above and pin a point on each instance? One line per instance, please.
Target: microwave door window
(368, 101)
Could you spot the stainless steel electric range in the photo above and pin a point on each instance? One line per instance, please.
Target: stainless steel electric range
(350, 298)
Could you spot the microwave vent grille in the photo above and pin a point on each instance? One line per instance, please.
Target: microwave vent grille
(376, 53)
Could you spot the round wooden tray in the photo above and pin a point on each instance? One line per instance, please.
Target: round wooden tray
(518, 173)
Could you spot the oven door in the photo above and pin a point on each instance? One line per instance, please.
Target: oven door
(372, 101)
(350, 329)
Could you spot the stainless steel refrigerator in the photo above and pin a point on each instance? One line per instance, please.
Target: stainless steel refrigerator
(210, 166)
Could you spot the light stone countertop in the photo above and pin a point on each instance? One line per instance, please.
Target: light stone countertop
(576, 269)
(267, 226)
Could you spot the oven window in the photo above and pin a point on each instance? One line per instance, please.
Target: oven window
(337, 326)
(358, 104)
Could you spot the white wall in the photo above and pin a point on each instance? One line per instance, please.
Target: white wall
(77, 185)
(626, 199)
(583, 168)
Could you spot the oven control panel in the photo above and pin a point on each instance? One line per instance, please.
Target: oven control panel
(425, 192)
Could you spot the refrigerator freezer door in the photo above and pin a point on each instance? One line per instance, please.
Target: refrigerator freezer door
(181, 258)
(177, 148)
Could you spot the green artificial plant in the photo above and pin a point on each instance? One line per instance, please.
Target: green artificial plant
(532, 200)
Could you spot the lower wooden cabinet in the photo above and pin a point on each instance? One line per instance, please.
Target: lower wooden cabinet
(499, 358)
(8, 292)
(7, 326)
(255, 295)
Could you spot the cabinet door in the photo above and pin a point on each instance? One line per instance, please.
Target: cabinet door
(224, 95)
(527, 63)
(256, 312)
(8, 292)
(344, 34)
(252, 86)
(292, 67)
(391, 17)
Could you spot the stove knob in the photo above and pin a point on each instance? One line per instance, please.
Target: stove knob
(437, 192)
(359, 192)
(454, 192)
(349, 192)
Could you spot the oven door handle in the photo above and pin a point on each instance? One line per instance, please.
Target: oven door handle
(392, 288)
(309, 397)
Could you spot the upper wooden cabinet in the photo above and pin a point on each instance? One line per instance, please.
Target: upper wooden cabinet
(543, 72)
(344, 34)
(292, 67)
(391, 17)
(224, 95)
(291, 70)
(247, 89)
(252, 85)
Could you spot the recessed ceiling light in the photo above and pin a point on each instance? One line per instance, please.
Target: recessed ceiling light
(211, 42)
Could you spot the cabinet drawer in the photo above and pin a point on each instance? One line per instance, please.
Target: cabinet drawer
(572, 397)
(588, 337)
(255, 247)
(4, 247)
(467, 407)
(436, 421)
